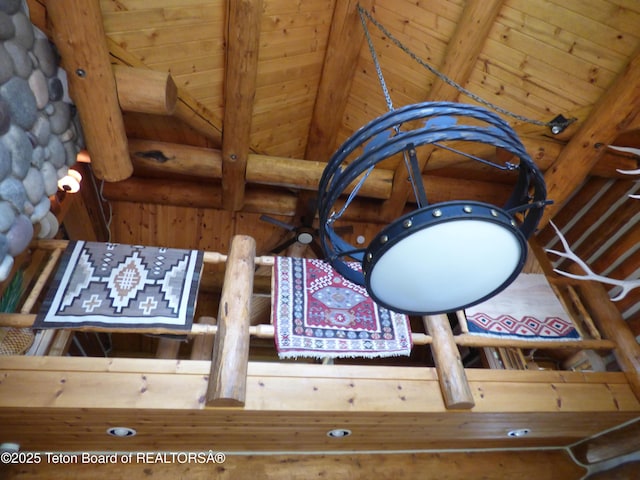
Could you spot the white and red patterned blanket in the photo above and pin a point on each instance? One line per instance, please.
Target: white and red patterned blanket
(318, 313)
(528, 309)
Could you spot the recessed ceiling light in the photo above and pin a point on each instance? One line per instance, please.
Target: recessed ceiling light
(121, 432)
(9, 447)
(338, 433)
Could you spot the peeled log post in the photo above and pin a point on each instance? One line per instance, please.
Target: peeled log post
(243, 42)
(453, 380)
(228, 377)
(78, 32)
(145, 91)
(613, 327)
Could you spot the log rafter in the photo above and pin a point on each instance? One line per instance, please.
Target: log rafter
(243, 38)
(621, 101)
(462, 53)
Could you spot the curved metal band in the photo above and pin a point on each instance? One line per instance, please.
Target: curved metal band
(382, 138)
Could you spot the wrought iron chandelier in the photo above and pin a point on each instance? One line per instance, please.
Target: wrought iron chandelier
(441, 257)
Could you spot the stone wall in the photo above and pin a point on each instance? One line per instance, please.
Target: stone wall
(40, 135)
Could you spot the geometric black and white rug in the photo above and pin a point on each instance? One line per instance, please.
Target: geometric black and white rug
(109, 284)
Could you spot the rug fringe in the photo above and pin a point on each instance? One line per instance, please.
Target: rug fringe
(526, 338)
(323, 355)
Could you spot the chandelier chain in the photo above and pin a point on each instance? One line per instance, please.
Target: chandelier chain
(364, 13)
(374, 56)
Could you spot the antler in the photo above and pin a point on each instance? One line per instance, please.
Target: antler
(626, 285)
(633, 151)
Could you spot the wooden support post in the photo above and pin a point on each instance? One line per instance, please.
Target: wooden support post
(243, 41)
(453, 380)
(228, 377)
(168, 348)
(202, 348)
(145, 91)
(613, 327)
(78, 32)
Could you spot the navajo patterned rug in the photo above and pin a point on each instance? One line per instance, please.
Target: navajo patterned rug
(107, 285)
(318, 313)
(528, 309)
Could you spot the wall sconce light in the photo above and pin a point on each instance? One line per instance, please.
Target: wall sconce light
(442, 257)
(70, 183)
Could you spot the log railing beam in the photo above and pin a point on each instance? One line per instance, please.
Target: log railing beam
(455, 387)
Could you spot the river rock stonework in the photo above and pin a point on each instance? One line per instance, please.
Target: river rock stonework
(40, 134)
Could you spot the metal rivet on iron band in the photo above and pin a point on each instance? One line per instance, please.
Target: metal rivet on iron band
(467, 209)
(384, 239)
(513, 223)
(407, 223)
(437, 213)
(494, 213)
(369, 256)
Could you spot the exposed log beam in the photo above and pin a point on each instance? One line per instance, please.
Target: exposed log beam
(199, 195)
(609, 118)
(543, 150)
(188, 109)
(305, 175)
(460, 58)
(339, 67)
(612, 326)
(610, 445)
(78, 32)
(159, 159)
(168, 192)
(167, 159)
(464, 47)
(145, 91)
(196, 195)
(243, 40)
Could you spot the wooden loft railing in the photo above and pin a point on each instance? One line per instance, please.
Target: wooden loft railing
(232, 331)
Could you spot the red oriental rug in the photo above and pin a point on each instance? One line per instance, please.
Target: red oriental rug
(318, 313)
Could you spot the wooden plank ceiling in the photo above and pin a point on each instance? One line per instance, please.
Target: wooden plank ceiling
(269, 89)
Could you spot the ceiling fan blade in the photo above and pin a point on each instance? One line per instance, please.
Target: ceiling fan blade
(317, 250)
(276, 222)
(284, 245)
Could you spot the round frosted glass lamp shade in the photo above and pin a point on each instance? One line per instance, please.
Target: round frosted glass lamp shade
(445, 266)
